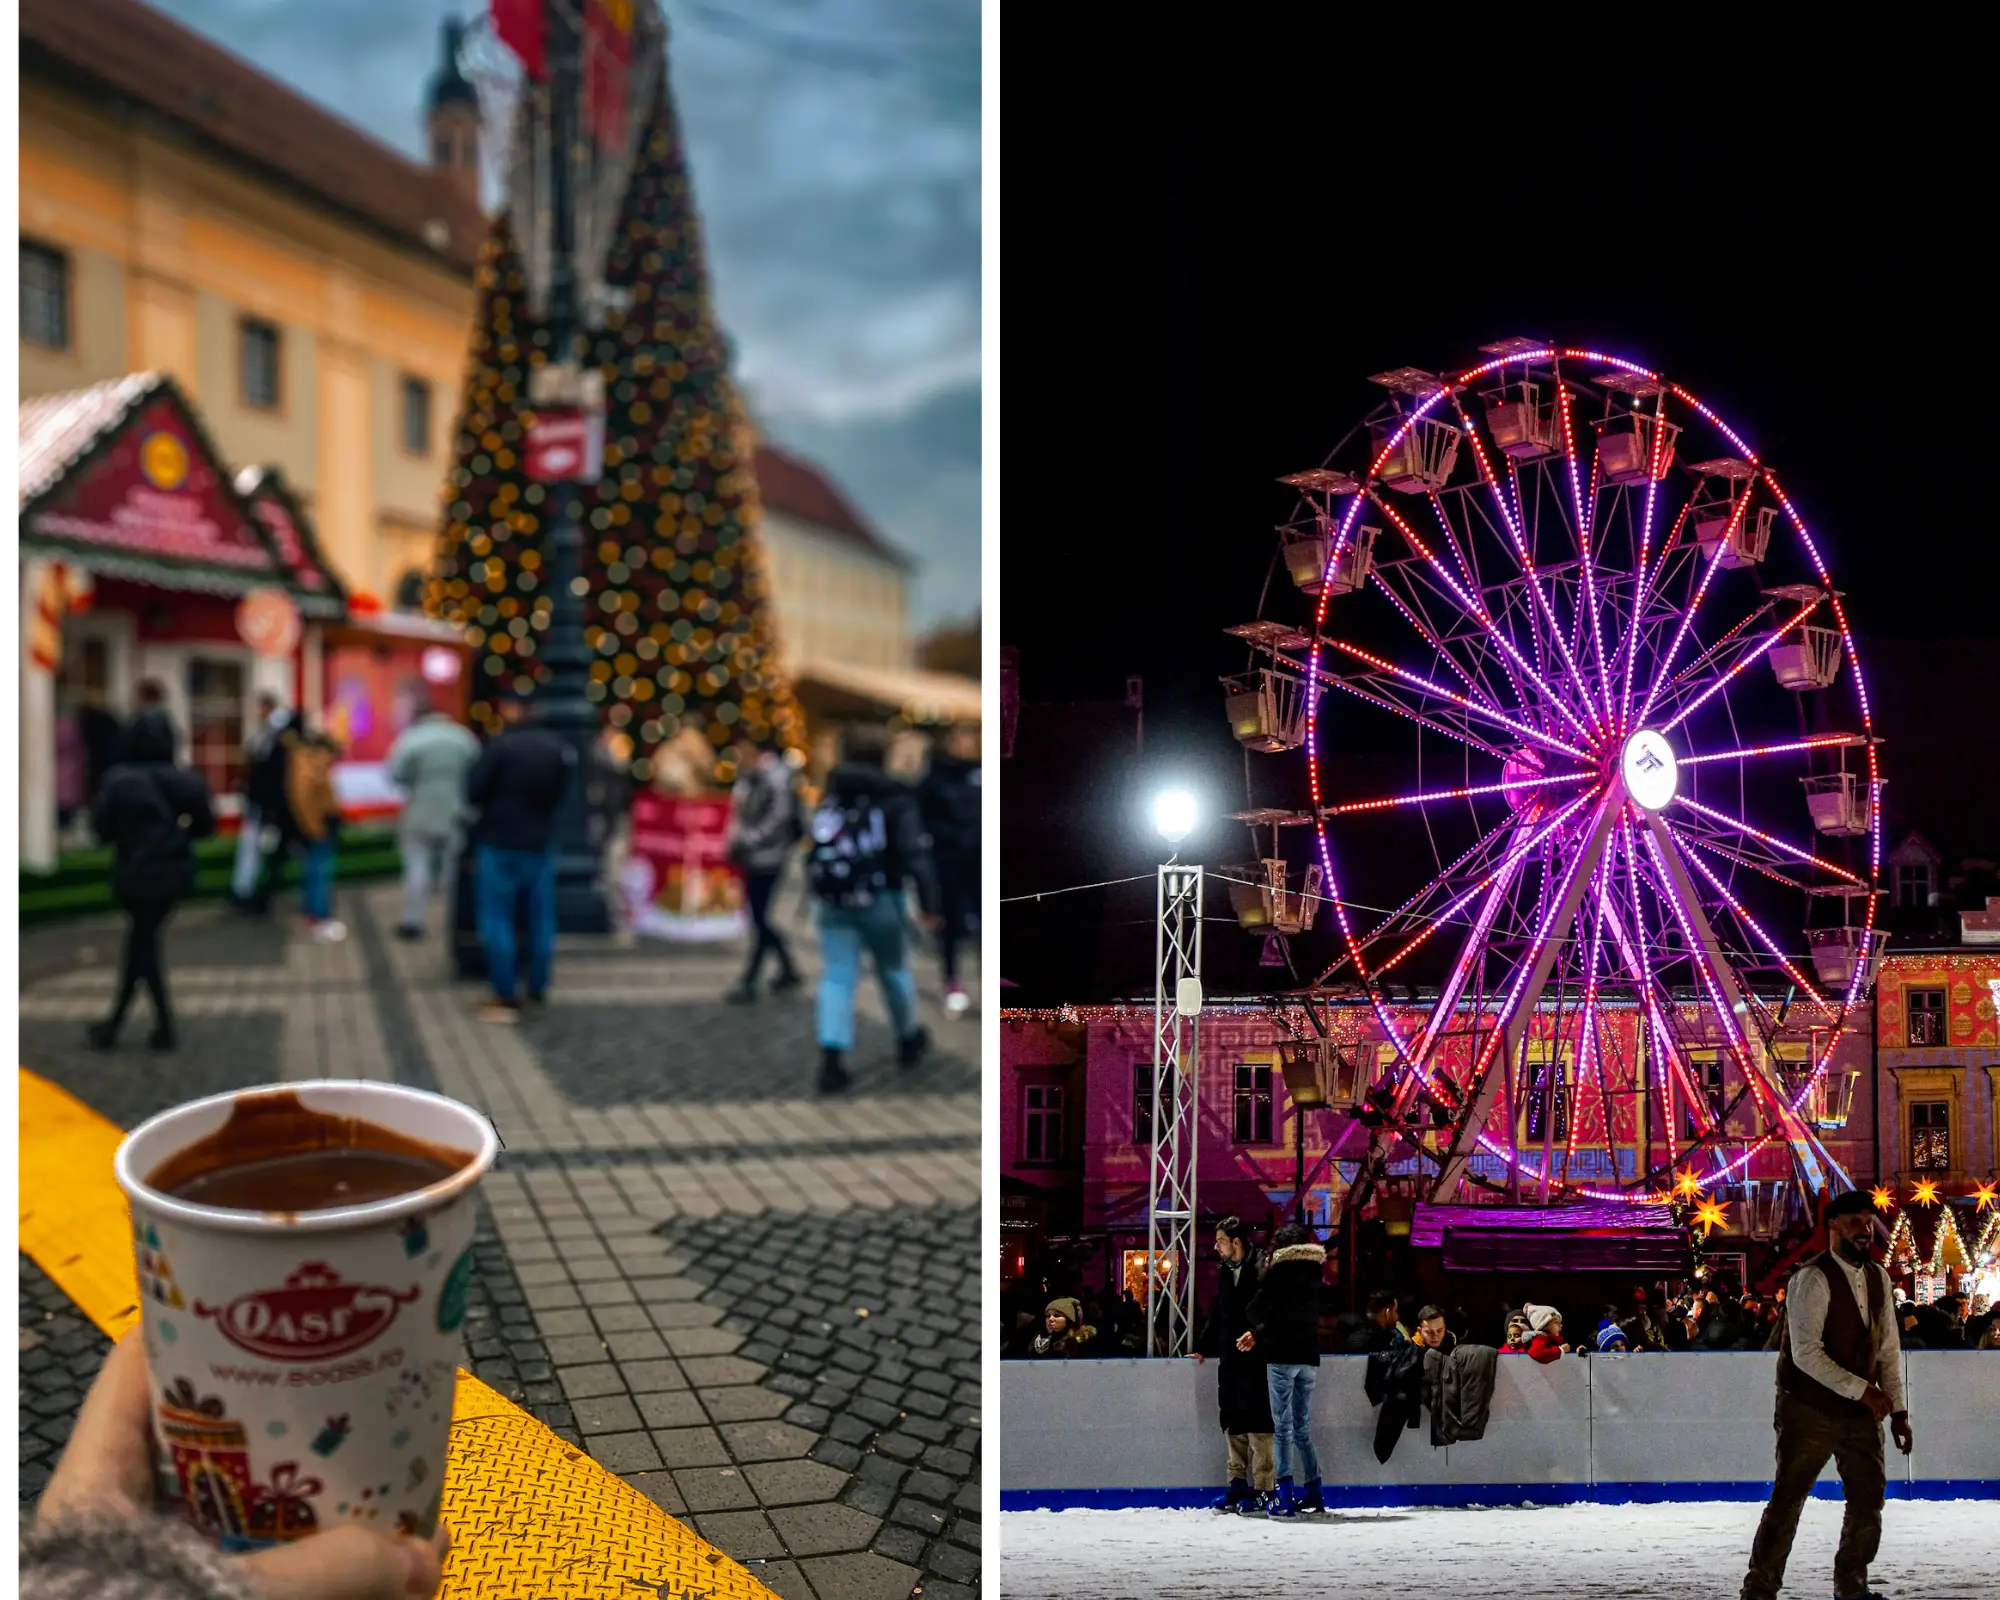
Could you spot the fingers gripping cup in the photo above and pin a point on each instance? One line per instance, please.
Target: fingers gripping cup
(304, 1255)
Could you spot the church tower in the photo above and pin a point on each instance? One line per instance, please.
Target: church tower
(452, 116)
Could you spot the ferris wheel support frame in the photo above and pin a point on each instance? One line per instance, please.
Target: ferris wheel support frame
(1582, 871)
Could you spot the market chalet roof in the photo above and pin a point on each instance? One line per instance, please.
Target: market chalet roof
(69, 443)
(145, 62)
(796, 488)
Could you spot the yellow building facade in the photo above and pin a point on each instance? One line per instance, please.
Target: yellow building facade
(318, 331)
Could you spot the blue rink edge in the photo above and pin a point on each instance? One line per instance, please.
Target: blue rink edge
(1375, 1496)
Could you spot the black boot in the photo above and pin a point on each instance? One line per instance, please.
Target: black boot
(103, 1035)
(912, 1047)
(832, 1073)
(786, 982)
(744, 994)
(162, 1037)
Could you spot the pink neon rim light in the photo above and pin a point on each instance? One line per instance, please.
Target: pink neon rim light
(1601, 710)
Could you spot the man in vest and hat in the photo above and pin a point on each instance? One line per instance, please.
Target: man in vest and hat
(1840, 1375)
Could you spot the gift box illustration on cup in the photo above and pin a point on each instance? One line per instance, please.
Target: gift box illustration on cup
(283, 1508)
(211, 1457)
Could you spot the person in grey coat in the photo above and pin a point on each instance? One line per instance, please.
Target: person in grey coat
(429, 763)
(764, 830)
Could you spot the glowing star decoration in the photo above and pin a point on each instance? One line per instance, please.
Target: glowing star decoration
(1649, 770)
(1986, 1194)
(1882, 1197)
(1712, 1214)
(1925, 1193)
(1686, 1185)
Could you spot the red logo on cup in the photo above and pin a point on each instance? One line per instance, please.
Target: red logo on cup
(313, 1317)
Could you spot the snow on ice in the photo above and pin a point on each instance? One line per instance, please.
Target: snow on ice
(1931, 1550)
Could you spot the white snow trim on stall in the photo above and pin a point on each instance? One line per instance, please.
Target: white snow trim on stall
(1931, 1550)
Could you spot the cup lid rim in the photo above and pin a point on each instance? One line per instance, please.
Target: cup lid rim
(334, 1220)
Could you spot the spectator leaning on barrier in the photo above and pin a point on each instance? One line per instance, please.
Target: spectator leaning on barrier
(1242, 1389)
(1432, 1333)
(1840, 1374)
(1064, 1333)
(1545, 1341)
(1284, 1327)
(1611, 1339)
(1518, 1334)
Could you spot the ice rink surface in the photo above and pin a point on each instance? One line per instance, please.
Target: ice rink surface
(1931, 1550)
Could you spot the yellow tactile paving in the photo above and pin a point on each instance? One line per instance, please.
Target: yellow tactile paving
(531, 1517)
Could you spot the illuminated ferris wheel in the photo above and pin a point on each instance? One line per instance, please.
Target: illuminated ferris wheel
(1649, 793)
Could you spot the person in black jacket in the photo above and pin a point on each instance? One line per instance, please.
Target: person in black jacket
(866, 841)
(951, 799)
(1241, 1387)
(518, 784)
(150, 812)
(1284, 1327)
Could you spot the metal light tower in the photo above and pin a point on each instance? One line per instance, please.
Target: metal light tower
(1170, 1198)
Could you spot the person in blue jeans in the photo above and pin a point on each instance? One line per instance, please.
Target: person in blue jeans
(867, 842)
(1284, 1328)
(518, 785)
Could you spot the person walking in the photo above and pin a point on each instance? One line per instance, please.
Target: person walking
(250, 835)
(1284, 1325)
(429, 763)
(1840, 1375)
(1243, 1392)
(764, 829)
(265, 787)
(150, 811)
(315, 812)
(952, 804)
(518, 784)
(867, 841)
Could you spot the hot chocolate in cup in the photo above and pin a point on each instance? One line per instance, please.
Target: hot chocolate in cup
(304, 1255)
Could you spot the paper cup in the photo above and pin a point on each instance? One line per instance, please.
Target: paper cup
(303, 1363)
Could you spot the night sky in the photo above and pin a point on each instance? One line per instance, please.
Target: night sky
(1240, 229)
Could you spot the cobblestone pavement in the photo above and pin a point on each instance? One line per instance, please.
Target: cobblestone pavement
(757, 1306)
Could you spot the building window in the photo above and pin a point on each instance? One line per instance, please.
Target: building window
(1142, 1102)
(1930, 1136)
(44, 296)
(216, 694)
(259, 364)
(1252, 1121)
(1707, 1075)
(1913, 883)
(1042, 1123)
(1926, 1007)
(441, 150)
(416, 416)
(1547, 1080)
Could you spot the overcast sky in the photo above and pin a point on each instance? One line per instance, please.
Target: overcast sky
(835, 146)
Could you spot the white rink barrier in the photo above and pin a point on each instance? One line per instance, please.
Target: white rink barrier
(1613, 1428)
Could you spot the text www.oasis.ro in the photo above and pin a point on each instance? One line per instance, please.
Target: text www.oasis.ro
(306, 1377)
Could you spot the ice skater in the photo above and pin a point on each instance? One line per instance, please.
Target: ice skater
(1840, 1375)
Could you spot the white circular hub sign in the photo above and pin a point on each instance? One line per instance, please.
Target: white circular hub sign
(1649, 770)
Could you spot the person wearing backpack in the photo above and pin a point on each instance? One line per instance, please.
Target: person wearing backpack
(149, 811)
(866, 840)
(764, 828)
(952, 806)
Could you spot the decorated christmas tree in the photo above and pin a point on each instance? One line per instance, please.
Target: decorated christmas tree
(1948, 1249)
(675, 603)
(1902, 1242)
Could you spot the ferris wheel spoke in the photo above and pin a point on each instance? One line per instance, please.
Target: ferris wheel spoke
(1819, 742)
(1525, 557)
(1718, 660)
(1720, 981)
(1756, 930)
(1365, 686)
(1351, 807)
(1742, 661)
(1738, 825)
(1413, 612)
(1743, 858)
(1415, 680)
(1433, 571)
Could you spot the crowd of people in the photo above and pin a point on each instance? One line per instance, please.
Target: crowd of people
(871, 842)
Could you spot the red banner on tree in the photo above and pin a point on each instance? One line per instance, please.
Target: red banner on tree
(607, 58)
(518, 25)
